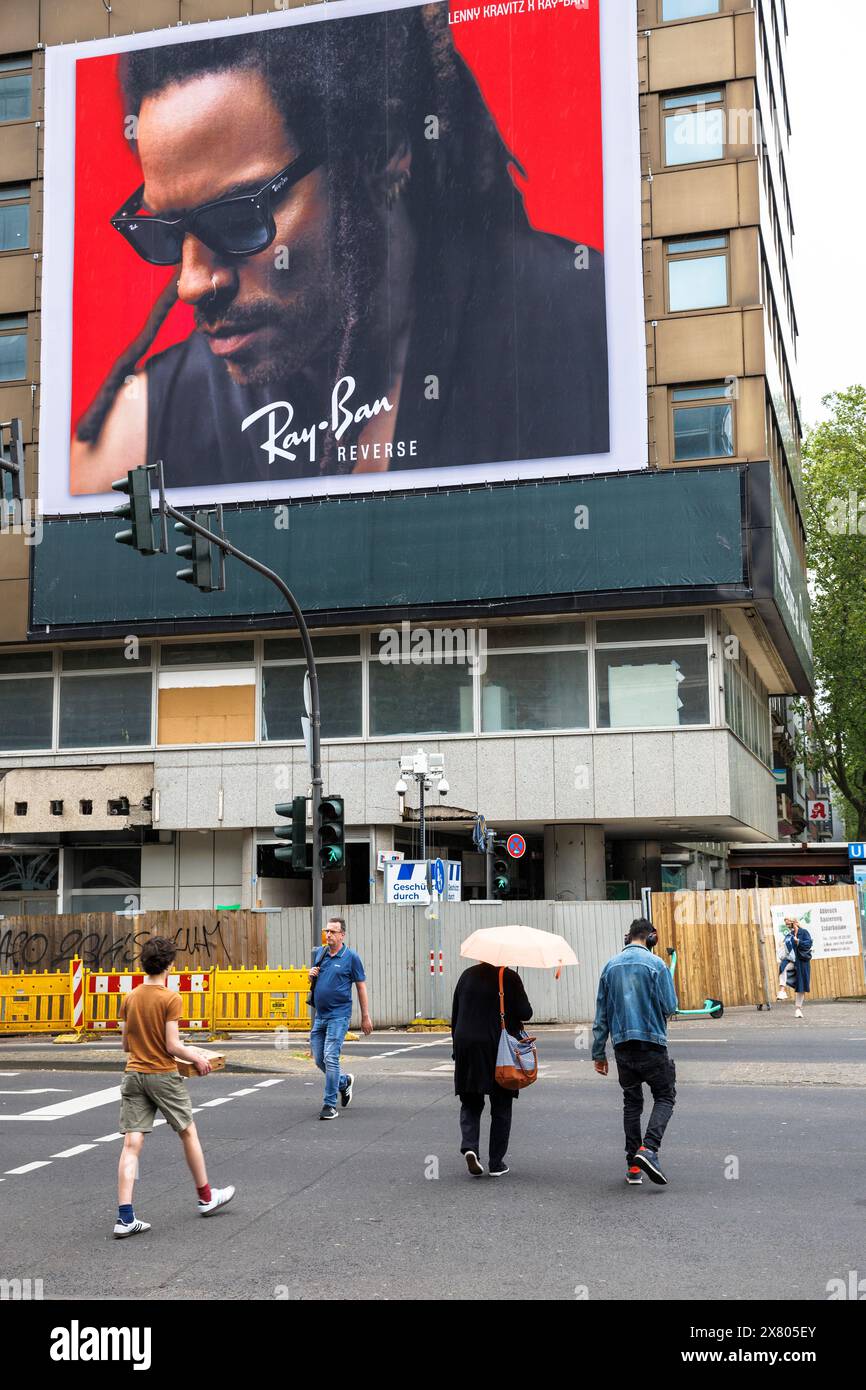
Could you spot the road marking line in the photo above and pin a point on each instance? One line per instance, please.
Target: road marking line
(70, 1153)
(247, 1091)
(107, 1138)
(413, 1047)
(37, 1091)
(274, 1081)
(28, 1167)
(61, 1109)
(39, 1119)
(10, 1073)
(220, 1100)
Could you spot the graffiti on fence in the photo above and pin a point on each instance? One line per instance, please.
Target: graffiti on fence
(34, 950)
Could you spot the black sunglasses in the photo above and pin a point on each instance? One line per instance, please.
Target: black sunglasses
(239, 226)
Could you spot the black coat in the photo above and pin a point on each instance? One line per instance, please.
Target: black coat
(475, 1024)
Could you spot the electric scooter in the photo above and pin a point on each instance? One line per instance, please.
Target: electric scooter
(713, 1008)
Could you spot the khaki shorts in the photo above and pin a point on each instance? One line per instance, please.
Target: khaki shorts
(142, 1093)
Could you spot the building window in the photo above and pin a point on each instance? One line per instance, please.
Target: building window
(26, 700)
(747, 705)
(206, 693)
(694, 127)
(15, 89)
(340, 670)
(13, 347)
(425, 686)
(14, 216)
(697, 273)
(703, 421)
(539, 681)
(688, 9)
(105, 698)
(652, 673)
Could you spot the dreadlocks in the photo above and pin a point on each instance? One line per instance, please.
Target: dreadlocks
(360, 89)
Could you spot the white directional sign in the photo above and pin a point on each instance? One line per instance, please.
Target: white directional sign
(406, 883)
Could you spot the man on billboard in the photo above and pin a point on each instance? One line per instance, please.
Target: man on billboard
(367, 291)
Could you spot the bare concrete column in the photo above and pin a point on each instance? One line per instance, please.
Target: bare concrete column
(574, 867)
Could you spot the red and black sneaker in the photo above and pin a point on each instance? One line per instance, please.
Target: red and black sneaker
(633, 1175)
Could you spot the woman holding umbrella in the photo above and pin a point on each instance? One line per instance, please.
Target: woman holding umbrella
(476, 1028)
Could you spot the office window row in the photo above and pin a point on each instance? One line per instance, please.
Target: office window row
(647, 672)
(747, 703)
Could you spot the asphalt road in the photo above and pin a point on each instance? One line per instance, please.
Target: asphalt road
(378, 1205)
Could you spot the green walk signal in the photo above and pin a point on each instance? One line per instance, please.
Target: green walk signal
(141, 534)
(295, 850)
(332, 832)
(501, 878)
(198, 550)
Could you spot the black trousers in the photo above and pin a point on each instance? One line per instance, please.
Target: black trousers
(471, 1106)
(656, 1070)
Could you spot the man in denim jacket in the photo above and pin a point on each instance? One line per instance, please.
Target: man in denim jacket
(636, 997)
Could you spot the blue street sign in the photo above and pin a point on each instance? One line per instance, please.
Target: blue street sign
(437, 876)
(857, 850)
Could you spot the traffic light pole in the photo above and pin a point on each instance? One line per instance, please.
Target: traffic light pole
(315, 714)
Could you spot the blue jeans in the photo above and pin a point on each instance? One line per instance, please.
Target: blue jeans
(326, 1040)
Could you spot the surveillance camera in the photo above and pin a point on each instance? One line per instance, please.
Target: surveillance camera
(444, 788)
(401, 788)
(428, 785)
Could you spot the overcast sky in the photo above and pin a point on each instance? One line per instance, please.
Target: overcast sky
(826, 94)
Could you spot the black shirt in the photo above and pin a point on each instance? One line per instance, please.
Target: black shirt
(510, 328)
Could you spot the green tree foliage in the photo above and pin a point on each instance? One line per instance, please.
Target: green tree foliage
(834, 476)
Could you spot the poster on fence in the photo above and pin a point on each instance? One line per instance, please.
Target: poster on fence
(832, 927)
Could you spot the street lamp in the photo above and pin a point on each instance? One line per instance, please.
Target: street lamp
(425, 769)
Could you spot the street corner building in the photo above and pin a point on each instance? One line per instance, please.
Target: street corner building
(477, 322)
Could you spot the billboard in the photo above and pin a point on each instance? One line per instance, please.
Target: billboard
(345, 248)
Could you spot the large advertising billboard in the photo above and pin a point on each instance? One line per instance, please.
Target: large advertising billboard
(340, 249)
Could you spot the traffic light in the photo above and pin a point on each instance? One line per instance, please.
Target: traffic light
(332, 833)
(501, 878)
(198, 550)
(141, 534)
(12, 463)
(295, 850)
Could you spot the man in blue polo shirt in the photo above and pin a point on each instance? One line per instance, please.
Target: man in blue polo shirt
(337, 968)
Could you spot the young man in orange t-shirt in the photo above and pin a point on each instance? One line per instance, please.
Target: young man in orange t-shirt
(150, 1034)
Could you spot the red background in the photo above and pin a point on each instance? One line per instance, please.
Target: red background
(540, 75)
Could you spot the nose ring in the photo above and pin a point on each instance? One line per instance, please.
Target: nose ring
(213, 293)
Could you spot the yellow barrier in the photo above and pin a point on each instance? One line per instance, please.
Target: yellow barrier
(35, 1003)
(261, 1000)
(88, 1001)
(104, 990)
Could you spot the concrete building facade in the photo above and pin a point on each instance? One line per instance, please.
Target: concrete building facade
(619, 720)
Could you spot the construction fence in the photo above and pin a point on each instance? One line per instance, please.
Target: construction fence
(726, 943)
(728, 948)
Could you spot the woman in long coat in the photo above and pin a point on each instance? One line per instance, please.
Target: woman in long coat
(475, 1029)
(796, 964)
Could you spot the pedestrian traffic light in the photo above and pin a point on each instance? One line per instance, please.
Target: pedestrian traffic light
(202, 572)
(141, 534)
(501, 878)
(332, 832)
(295, 850)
